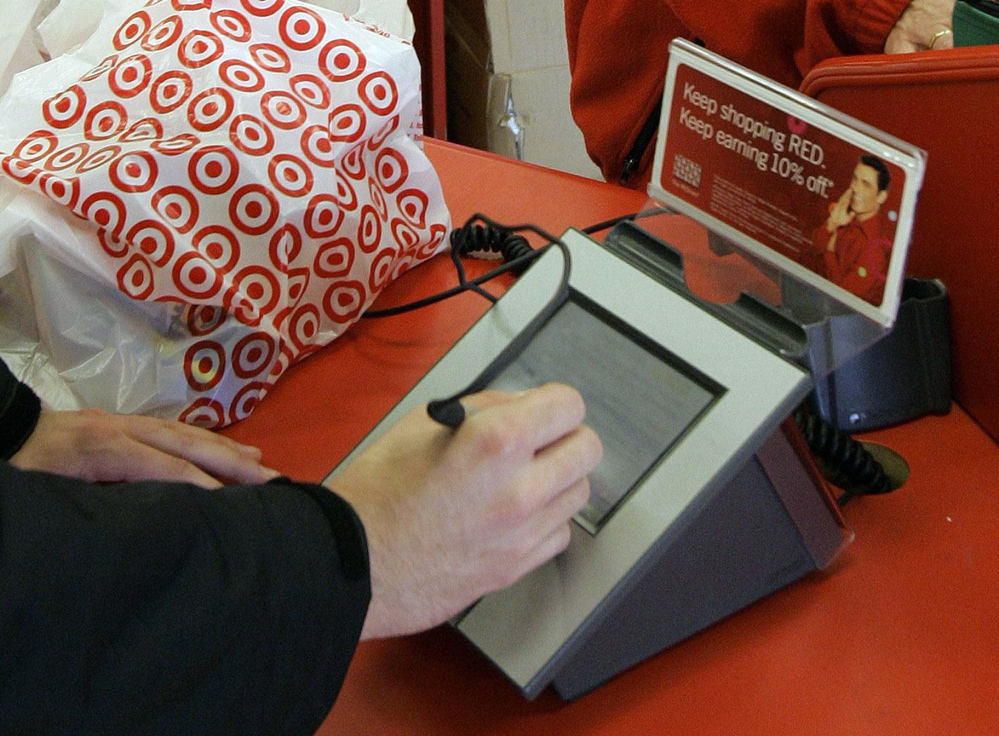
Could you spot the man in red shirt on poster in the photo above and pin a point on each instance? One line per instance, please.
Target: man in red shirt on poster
(852, 247)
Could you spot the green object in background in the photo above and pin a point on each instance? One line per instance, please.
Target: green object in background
(976, 22)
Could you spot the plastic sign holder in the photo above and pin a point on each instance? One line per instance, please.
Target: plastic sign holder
(822, 201)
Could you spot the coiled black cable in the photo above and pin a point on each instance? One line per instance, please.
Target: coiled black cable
(850, 466)
(472, 238)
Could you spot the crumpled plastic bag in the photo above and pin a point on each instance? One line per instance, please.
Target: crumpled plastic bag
(210, 190)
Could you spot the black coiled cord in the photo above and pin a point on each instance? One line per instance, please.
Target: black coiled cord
(849, 465)
(472, 238)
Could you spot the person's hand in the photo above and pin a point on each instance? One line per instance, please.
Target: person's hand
(925, 24)
(453, 515)
(841, 214)
(97, 446)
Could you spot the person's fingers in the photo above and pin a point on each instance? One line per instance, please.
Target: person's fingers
(216, 454)
(538, 416)
(559, 467)
(129, 460)
(942, 38)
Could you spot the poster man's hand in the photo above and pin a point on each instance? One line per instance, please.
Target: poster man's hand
(841, 214)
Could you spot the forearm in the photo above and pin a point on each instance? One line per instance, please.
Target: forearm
(161, 608)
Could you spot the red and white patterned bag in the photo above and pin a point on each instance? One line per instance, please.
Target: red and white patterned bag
(245, 171)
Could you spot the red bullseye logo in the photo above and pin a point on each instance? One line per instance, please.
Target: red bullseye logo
(334, 259)
(311, 90)
(219, 246)
(99, 158)
(282, 110)
(170, 91)
(134, 28)
(254, 209)
(323, 216)
(65, 192)
(36, 146)
(342, 61)
(199, 49)
(101, 69)
(404, 234)
(213, 169)
(305, 326)
(136, 279)
(378, 199)
(413, 204)
(246, 400)
(18, 170)
(347, 123)
(134, 172)
(68, 157)
(232, 24)
(154, 239)
(317, 146)
(255, 292)
(301, 29)
(195, 278)
(65, 109)
(344, 302)
(202, 319)
(186, 4)
(251, 135)
(353, 163)
(105, 120)
(391, 169)
(204, 412)
(271, 58)
(369, 233)
(253, 355)
(381, 268)
(131, 76)
(106, 210)
(176, 145)
(297, 284)
(438, 235)
(178, 207)
(204, 365)
(383, 134)
(164, 34)
(241, 76)
(290, 175)
(262, 8)
(345, 193)
(147, 129)
(379, 93)
(210, 109)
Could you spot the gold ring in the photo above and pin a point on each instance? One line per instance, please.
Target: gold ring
(938, 35)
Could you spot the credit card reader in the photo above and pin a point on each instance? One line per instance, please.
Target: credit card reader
(706, 499)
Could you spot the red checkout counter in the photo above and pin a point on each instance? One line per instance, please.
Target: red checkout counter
(899, 636)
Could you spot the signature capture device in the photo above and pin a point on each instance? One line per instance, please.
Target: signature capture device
(706, 499)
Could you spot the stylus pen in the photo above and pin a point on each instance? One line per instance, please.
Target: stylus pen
(449, 412)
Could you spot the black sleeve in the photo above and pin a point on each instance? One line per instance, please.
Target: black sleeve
(19, 409)
(156, 608)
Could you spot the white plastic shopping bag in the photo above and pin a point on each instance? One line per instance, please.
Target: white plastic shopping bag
(208, 191)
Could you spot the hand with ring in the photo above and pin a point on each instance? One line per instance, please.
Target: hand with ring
(924, 25)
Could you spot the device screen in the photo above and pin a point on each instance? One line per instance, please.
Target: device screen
(640, 398)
